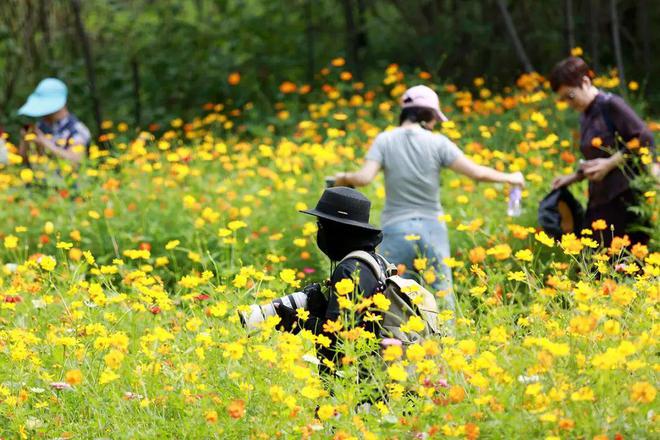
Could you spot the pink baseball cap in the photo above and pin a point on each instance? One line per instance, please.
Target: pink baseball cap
(422, 96)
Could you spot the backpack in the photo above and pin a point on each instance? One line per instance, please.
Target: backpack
(407, 298)
(560, 213)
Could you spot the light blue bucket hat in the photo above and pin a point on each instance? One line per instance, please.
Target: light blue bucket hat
(47, 98)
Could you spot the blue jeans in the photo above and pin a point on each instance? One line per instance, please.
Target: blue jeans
(433, 244)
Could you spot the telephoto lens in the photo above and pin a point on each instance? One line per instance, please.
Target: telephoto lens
(258, 314)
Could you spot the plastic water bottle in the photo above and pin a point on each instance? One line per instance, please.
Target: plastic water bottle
(515, 202)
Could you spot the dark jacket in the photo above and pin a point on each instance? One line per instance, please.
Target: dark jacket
(606, 115)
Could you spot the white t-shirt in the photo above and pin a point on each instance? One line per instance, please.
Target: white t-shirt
(411, 158)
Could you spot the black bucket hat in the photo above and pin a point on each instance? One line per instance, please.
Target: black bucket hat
(560, 213)
(343, 205)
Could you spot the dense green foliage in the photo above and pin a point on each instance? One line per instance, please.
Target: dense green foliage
(155, 59)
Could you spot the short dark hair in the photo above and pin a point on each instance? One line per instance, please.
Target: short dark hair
(569, 72)
(416, 114)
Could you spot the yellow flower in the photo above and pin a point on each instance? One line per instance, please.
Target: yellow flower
(498, 334)
(415, 352)
(236, 224)
(392, 352)
(107, 376)
(172, 244)
(414, 324)
(11, 241)
(412, 237)
(397, 373)
(344, 286)
(27, 175)
(194, 324)
(89, 257)
(583, 394)
(47, 263)
(64, 245)
(289, 277)
(419, 264)
(516, 276)
(113, 359)
(524, 255)
(233, 350)
(571, 244)
(452, 262)
(224, 232)
(500, 251)
(543, 238)
(325, 412)
(381, 302)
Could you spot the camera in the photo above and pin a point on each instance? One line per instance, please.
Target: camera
(330, 181)
(311, 298)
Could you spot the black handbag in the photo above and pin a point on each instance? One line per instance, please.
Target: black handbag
(560, 213)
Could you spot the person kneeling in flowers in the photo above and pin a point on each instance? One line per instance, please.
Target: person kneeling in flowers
(343, 227)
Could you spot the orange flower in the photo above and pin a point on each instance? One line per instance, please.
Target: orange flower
(73, 377)
(596, 142)
(599, 225)
(567, 157)
(471, 431)
(338, 62)
(618, 243)
(234, 78)
(566, 424)
(643, 392)
(477, 255)
(288, 87)
(346, 76)
(424, 75)
(456, 394)
(211, 416)
(236, 409)
(640, 251)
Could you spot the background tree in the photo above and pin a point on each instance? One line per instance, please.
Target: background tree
(157, 59)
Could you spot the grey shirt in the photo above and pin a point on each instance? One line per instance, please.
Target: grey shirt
(411, 158)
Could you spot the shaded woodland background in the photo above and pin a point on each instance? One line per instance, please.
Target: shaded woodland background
(145, 61)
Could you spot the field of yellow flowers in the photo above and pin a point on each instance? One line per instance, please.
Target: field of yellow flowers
(120, 282)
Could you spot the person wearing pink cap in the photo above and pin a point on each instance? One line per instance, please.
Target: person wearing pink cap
(412, 157)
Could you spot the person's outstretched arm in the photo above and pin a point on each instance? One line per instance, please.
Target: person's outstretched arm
(362, 177)
(467, 167)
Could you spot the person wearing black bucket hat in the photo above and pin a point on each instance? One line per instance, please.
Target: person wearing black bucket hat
(343, 227)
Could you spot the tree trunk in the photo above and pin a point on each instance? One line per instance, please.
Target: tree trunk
(137, 108)
(645, 35)
(44, 15)
(352, 52)
(570, 25)
(362, 26)
(89, 64)
(594, 28)
(616, 39)
(309, 30)
(511, 29)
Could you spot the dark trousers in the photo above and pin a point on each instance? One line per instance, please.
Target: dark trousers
(617, 213)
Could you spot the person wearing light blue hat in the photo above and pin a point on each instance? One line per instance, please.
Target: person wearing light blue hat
(58, 131)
